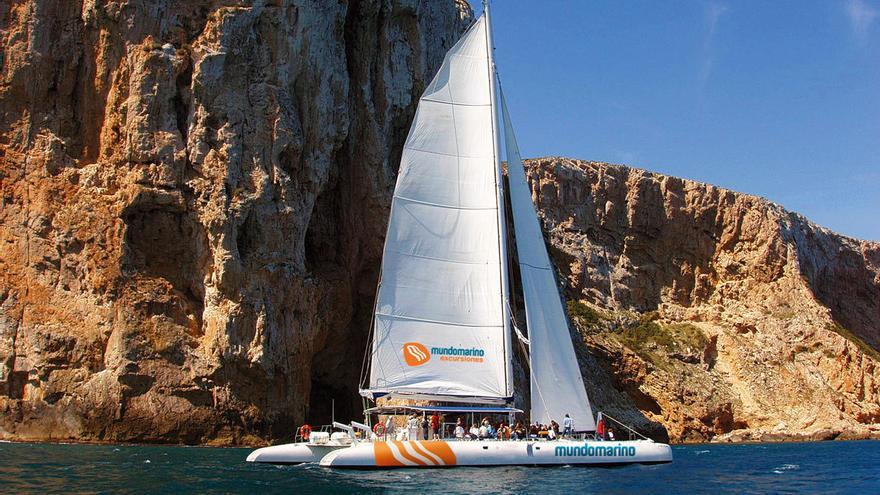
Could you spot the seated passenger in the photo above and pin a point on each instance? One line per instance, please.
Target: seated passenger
(520, 431)
(459, 429)
(503, 431)
(474, 432)
(542, 431)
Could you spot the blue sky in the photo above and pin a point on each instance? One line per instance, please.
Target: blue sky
(780, 99)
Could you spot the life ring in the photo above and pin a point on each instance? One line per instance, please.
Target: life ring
(304, 431)
(379, 429)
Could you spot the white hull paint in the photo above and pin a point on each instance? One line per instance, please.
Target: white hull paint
(294, 453)
(497, 453)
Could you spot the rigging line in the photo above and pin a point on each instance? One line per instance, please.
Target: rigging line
(439, 205)
(438, 322)
(368, 352)
(523, 263)
(419, 150)
(519, 334)
(439, 102)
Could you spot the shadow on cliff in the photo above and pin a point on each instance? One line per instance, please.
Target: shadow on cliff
(843, 274)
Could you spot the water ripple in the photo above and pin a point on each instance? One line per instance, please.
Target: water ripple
(719, 469)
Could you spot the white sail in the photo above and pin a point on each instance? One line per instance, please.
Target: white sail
(439, 325)
(557, 388)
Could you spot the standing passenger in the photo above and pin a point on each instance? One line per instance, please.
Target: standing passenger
(567, 426)
(412, 428)
(435, 426)
(423, 431)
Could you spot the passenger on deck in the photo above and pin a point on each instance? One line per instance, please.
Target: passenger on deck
(389, 428)
(435, 426)
(542, 431)
(533, 430)
(518, 431)
(551, 433)
(503, 431)
(423, 430)
(459, 429)
(567, 426)
(555, 427)
(474, 432)
(412, 428)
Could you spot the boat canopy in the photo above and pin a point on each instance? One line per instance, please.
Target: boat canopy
(442, 409)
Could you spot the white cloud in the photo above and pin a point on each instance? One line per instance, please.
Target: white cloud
(714, 12)
(861, 17)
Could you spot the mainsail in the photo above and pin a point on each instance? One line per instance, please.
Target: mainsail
(557, 388)
(440, 324)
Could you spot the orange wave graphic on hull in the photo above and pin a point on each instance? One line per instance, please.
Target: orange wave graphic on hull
(399, 454)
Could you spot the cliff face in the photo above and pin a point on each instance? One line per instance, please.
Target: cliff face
(193, 201)
(719, 315)
(193, 206)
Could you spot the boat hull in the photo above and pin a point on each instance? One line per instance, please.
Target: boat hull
(440, 453)
(293, 453)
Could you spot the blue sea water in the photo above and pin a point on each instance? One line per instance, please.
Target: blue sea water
(829, 467)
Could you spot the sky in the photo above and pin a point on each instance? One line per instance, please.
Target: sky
(779, 99)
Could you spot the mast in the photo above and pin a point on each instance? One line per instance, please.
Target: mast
(499, 192)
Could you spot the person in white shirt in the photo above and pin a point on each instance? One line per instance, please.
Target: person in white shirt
(567, 426)
(412, 427)
(484, 430)
(474, 432)
(459, 429)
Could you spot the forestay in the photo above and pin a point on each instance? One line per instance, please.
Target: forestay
(438, 330)
(557, 388)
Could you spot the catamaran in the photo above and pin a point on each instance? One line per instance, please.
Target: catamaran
(442, 330)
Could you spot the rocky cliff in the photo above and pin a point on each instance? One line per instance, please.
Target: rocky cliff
(193, 199)
(193, 207)
(709, 313)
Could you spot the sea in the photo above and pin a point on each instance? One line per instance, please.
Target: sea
(824, 467)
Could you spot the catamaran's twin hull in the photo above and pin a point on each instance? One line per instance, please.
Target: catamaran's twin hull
(439, 453)
(293, 453)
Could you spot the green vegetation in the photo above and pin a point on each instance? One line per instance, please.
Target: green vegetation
(643, 333)
(855, 339)
(676, 337)
(785, 314)
(584, 315)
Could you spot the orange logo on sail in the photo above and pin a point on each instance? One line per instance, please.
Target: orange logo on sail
(415, 354)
